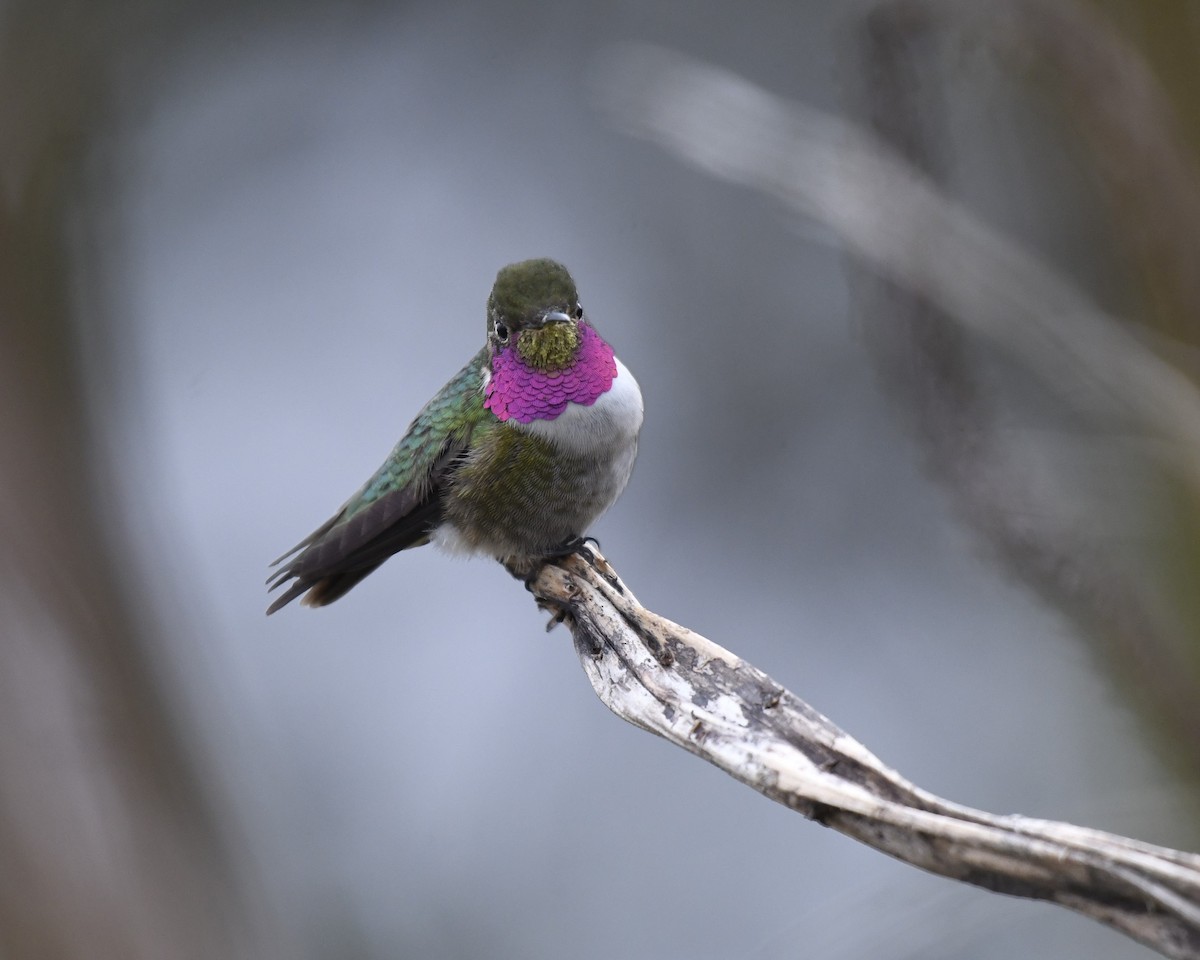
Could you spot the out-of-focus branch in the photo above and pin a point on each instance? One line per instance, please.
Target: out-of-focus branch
(112, 840)
(921, 352)
(942, 278)
(1108, 93)
(674, 683)
(1111, 97)
(890, 214)
(1135, 142)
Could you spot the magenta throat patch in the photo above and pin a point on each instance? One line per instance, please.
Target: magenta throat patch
(520, 393)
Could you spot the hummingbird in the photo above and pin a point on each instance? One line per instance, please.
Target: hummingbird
(514, 458)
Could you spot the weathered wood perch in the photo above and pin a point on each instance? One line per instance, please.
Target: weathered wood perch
(670, 681)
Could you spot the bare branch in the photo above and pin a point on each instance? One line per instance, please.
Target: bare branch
(675, 683)
(954, 279)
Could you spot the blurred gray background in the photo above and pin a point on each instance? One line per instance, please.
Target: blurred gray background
(244, 243)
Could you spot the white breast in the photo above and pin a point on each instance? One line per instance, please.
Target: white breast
(607, 430)
(613, 421)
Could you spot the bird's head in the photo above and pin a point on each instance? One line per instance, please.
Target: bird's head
(543, 354)
(534, 312)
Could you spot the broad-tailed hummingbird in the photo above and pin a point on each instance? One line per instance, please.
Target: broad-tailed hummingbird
(515, 457)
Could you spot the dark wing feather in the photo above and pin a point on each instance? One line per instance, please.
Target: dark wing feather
(344, 551)
(397, 508)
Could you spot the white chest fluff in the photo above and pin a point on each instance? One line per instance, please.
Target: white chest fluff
(610, 424)
(604, 432)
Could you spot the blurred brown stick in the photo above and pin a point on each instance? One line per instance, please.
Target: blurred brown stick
(931, 365)
(114, 841)
(895, 218)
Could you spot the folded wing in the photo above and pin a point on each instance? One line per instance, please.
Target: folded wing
(397, 508)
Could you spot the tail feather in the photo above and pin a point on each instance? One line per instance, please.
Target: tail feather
(320, 592)
(364, 533)
(344, 551)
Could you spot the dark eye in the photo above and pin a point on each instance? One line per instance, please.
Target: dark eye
(501, 332)
(577, 313)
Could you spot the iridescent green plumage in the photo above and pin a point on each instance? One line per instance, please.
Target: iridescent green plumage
(478, 481)
(399, 506)
(444, 424)
(517, 494)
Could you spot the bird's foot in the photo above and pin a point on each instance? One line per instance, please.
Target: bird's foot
(527, 569)
(583, 547)
(577, 545)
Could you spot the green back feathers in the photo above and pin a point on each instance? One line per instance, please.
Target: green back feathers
(447, 421)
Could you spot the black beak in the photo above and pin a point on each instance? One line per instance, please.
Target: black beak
(553, 316)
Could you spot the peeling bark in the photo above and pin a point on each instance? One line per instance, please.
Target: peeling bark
(681, 686)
